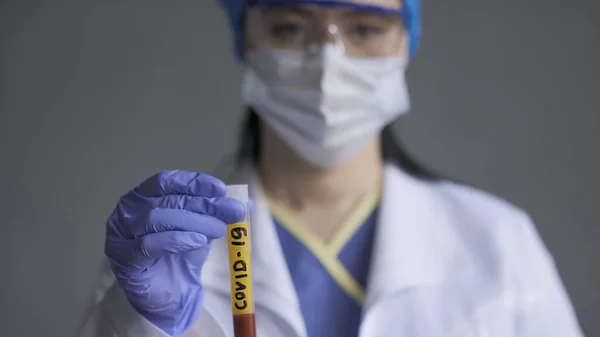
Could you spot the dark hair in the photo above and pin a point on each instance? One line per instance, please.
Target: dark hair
(250, 147)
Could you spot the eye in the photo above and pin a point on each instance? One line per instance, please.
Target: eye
(286, 31)
(364, 31)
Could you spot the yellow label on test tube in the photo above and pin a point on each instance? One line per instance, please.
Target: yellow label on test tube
(240, 269)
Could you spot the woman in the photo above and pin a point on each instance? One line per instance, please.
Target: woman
(350, 236)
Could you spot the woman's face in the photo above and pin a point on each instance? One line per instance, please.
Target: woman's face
(362, 32)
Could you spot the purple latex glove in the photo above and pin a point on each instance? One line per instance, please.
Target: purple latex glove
(158, 238)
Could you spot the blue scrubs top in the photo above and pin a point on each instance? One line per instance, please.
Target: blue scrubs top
(330, 278)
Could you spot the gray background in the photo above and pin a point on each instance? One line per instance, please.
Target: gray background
(97, 95)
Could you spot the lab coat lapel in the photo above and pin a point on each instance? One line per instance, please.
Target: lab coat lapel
(273, 288)
(412, 246)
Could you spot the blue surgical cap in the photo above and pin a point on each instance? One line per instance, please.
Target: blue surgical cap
(235, 13)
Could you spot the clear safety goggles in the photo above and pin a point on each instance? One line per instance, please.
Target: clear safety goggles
(360, 29)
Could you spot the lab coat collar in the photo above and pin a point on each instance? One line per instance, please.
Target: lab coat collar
(413, 247)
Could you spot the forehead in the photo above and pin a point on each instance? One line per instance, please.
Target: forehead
(396, 4)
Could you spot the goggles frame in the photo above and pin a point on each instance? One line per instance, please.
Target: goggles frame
(329, 4)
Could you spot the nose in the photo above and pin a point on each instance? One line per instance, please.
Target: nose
(331, 34)
(328, 34)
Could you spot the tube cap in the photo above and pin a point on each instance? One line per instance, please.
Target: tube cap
(238, 192)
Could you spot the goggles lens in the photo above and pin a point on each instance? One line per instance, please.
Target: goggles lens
(362, 31)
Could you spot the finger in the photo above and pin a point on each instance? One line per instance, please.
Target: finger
(131, 257)
(228, 210)
(166, 219)
(182, 182)
(156, 245)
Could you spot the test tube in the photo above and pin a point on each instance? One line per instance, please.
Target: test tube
(240, 269)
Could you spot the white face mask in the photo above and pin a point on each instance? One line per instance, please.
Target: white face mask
(325, 107)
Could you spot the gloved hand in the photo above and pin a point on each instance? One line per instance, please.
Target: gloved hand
(158, 238)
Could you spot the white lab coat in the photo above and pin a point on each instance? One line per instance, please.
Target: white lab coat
(449, 261)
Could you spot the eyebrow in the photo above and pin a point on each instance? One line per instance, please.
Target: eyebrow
(305, 12)
(292, 9)
(353, 14)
